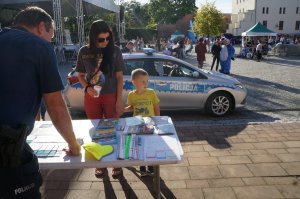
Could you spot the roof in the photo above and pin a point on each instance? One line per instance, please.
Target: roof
(259, 30)
(90, 7)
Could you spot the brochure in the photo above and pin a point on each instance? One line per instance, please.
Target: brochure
(106, 123)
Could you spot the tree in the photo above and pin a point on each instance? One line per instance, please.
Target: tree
(136, 15)
(170, 11)
(208, 21)
(7, 16)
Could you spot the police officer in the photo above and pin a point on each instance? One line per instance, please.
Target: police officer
(28, 73)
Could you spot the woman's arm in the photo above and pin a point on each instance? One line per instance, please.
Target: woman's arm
(119, 103)
(90, 90)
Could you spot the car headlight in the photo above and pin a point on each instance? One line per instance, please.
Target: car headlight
(239, 86)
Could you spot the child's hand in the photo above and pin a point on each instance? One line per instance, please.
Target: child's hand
(128, 109)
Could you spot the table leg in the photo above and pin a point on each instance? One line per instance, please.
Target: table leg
(156, 181)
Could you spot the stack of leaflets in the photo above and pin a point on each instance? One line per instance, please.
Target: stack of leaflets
(138, 125)
(107, 123)
(130, 147)
(105, 132)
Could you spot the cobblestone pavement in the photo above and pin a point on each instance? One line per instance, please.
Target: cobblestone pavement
(221, 161)
(273, 87)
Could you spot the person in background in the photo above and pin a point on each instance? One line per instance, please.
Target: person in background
(30, 73)
(215, 50)
(200, 50)
(101, 57)
(226, 63)
(142, 101)
(142, 43)
(128, 48)
(259, 49)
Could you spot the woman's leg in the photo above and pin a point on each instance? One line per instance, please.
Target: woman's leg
(109, 105)
(92, 106)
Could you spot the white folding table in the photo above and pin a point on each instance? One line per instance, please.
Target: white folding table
(44, 133)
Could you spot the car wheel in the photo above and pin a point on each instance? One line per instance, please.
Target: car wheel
(219, 104)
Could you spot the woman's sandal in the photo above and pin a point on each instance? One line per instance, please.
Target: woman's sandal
(116, 173)
(100, 172)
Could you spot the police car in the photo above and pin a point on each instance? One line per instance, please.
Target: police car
(178, 84)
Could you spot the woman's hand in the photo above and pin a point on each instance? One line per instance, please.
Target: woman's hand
(91, 91)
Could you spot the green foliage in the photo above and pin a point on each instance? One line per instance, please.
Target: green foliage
(147, 34)
(7, 16)
(170, 11)
(208, 21)
(136, 15)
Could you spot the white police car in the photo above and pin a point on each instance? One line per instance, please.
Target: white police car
(178, 84)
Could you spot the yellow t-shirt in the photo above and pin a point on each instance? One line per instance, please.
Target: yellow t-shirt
(143, 104)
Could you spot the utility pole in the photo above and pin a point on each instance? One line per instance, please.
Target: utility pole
(80, 22)
(120, 21)
(59, 31)
(255, 11)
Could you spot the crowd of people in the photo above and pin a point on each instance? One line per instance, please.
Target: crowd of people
(257, 47)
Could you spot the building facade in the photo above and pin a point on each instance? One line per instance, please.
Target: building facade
(281, 16)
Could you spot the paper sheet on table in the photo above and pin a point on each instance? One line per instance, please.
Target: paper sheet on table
(161, 148)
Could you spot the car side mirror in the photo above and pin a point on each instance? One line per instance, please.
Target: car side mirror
(195, 74)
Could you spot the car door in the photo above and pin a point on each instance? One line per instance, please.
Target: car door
(176, 87)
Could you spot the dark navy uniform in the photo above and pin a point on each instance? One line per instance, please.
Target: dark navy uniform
(28, 69)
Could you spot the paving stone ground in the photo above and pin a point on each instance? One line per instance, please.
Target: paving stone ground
(221, 161)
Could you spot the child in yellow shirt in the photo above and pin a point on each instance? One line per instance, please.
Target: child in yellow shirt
(142, 101)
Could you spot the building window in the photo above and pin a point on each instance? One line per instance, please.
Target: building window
(237, 1)
(263, 10)
(267, 10)
(265, 23)
(297, 10)
(243, 10)
(283, 12)
(297, 27)
(280, 10)
(280, 25)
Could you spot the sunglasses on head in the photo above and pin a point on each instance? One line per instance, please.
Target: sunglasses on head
(100, 40)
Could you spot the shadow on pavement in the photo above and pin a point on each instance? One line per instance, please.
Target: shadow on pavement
(148, 181)
(263, 83)
(217, 131)
(290, 61)
(56, 182)
(267, 95)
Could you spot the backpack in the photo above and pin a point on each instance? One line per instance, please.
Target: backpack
(224, 53)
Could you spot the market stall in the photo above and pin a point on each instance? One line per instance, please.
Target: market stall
(250, 39)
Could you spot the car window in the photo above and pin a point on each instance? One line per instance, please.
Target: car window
(146, 64)
(130, 65)
(173, 69)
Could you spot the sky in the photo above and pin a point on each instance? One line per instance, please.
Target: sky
(224, 6)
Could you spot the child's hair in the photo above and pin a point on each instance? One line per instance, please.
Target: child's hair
(137, 72)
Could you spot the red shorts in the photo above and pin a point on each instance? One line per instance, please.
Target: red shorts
(100, 107)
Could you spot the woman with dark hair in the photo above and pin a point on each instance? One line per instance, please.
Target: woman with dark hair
(100, 69)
